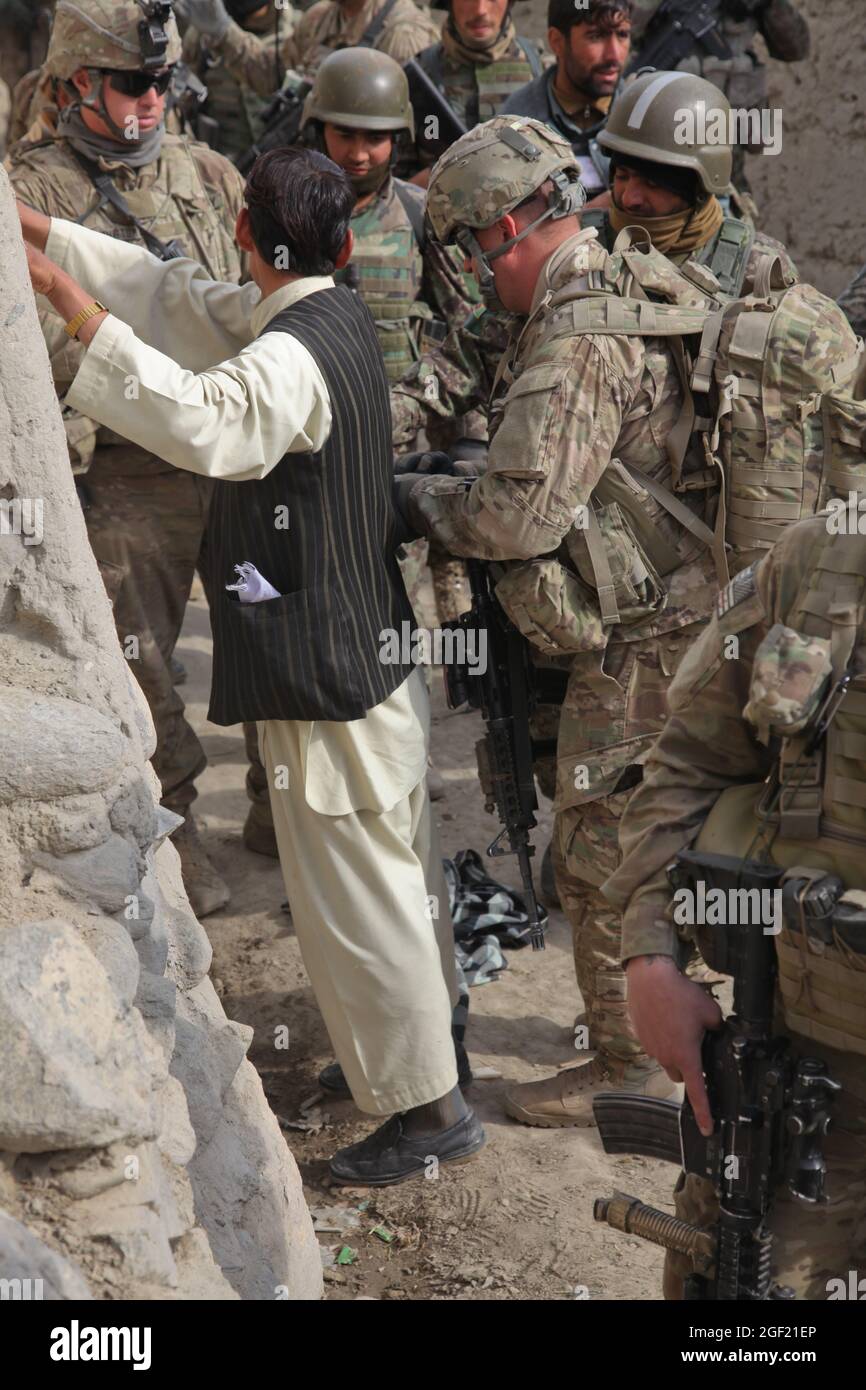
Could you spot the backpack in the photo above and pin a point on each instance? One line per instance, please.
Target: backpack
(771, 390)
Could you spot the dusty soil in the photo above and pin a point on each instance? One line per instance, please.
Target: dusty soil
(516, 1222)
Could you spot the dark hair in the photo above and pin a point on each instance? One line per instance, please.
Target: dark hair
(564, 14)
(300, 204)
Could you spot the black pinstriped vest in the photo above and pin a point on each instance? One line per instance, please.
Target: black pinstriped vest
(314, 653)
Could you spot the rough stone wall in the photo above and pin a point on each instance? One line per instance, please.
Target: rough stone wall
(812, 196)
(138, 1155)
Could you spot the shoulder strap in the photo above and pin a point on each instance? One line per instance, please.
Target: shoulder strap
(108, 193)
(376, 25)
(531, 54)
(414, 212)
(430, 59)
(727, 255)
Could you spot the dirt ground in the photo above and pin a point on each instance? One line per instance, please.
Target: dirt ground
(516, 1222)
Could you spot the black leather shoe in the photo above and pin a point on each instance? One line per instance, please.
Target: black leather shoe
(389, 1156)
(332, 1080)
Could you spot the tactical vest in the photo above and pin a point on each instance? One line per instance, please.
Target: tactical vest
(476, 92)
(170, 197)
(387, 270)
(819, 821)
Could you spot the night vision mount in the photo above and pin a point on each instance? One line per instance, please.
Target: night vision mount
(152, 33)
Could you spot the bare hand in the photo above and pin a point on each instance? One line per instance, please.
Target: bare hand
(43, 272)
(670, 1015)
(601, 200)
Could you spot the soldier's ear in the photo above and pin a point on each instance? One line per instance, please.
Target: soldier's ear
(344, 255)
(556, 43)
(80, 80)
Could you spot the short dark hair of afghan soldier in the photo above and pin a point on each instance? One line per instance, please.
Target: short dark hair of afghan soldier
(300, 204)
(607, 14)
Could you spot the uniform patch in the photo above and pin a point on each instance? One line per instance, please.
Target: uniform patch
(741, 587)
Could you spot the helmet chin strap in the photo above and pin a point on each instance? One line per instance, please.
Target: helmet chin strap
(567, 199)
(96, 104)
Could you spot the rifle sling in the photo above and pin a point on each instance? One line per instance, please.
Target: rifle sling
(109, 193)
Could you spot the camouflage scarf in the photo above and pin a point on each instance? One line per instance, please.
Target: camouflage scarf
(134, 153)
(372, 181)
(474, 54)
(679, 233)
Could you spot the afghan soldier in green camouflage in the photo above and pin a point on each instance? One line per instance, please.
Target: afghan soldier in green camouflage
(403, 31)
(145, 519)
(479, 61)
(231, 104)
(569, 415)
(742, 710)
(676, 193)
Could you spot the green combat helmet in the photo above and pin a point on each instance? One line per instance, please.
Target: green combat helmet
(134, 35)
(487, 173)
(657, 117)
(361, 89)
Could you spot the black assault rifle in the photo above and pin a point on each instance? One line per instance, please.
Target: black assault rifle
(770, 1109)
(680, 28)
(281, 121)
(427, 101)
(502, 689)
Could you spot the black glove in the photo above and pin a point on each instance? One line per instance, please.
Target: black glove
(407, 529)
(424, 463)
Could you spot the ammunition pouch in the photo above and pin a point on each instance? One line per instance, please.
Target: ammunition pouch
(553, 610)
(821, 953)
(608, 558)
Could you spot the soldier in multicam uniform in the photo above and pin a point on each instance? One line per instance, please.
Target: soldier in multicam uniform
(676, 193)
(231, 104)
(402, 30)
(742, 76)
(478, 63)
(145, 519)
(742, 710)
(570, 413)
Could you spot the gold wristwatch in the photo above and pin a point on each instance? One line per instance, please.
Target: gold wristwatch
(88, 312)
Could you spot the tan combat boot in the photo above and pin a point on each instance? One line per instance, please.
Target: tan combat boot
(206, 891)
(566, 1099)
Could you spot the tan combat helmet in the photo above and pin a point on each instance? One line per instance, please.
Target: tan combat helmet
(487, 173)
(140, 35)
(656, 117)
(361, 89)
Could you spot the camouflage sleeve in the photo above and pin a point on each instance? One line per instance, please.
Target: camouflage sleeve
(705, 747)
(452, 380)
(786, 31)
(251, 62)
(562, 417)
(852, 302)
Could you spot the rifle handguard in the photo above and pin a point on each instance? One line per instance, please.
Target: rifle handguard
(627, 1214)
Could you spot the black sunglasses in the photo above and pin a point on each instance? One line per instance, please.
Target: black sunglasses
(135, 84)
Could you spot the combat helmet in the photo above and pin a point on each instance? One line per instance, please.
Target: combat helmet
(140, 35)
(488, 172)
(362, 89)
(656, 117)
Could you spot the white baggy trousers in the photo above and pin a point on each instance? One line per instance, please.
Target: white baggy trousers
(363, 872)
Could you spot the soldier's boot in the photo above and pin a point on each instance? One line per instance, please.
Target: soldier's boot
(258, 832)
(566, 1099)
(207, 892)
